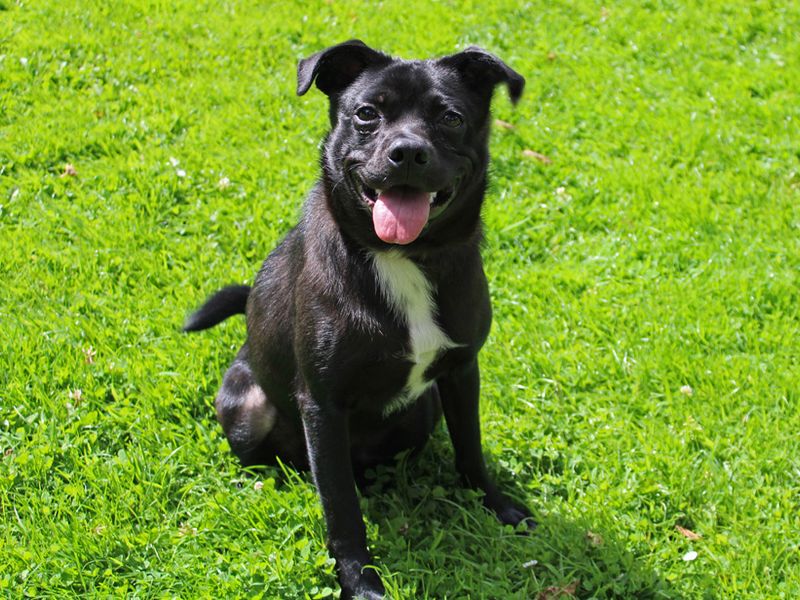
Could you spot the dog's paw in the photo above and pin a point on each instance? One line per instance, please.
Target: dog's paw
(366, 595)
(362, 592)
(361, 585)
(511, 513)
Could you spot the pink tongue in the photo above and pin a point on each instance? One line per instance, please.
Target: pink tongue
(400, 214)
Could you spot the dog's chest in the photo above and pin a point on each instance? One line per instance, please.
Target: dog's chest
(410, 296)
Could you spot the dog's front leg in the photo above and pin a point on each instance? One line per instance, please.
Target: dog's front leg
(328, 444)
(460, 393)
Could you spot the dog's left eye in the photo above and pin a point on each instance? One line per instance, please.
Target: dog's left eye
(366, 114)
(452, 119)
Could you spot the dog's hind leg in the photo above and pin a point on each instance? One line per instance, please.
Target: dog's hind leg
(246, 415)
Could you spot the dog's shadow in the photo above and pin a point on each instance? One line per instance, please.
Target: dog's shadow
(433, 539)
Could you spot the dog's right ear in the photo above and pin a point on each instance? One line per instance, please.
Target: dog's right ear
(337, 67)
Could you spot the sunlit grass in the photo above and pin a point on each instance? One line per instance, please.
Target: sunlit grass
(643, 367)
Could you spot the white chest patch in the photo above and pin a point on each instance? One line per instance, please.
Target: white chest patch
(410, 295)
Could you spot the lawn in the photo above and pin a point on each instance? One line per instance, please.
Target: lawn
(640, 385)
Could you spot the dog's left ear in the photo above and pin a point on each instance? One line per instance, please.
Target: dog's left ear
(483, 71)
(337, 67)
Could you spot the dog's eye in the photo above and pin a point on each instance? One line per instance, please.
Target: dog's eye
(452, 119)
(366, 114)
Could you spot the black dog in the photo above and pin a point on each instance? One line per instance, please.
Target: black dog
(365, 323)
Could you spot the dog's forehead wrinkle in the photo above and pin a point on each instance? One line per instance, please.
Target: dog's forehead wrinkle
(403, 83)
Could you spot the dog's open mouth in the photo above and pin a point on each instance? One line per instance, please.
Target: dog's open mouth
(400, 213)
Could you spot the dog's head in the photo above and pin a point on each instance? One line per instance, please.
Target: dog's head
(405, 160)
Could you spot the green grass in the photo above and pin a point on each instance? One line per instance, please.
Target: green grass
(660, 249)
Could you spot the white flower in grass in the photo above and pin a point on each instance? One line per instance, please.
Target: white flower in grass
(185, 529)
(690, 556)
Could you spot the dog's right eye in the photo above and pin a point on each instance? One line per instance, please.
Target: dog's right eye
(366, 114)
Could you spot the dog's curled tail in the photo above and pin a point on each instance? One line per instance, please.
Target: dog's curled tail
(229, 301)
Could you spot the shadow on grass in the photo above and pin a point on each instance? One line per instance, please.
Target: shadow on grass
(434, 539)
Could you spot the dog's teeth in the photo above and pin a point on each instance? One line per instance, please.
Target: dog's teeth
(432, 197)
(378, 192)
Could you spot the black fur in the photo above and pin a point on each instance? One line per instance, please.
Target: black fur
(326, 352)
(228, 301)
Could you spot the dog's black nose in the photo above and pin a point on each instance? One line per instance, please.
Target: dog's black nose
(407, 151)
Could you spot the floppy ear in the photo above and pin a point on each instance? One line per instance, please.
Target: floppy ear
(482, 71)
(336, 67)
